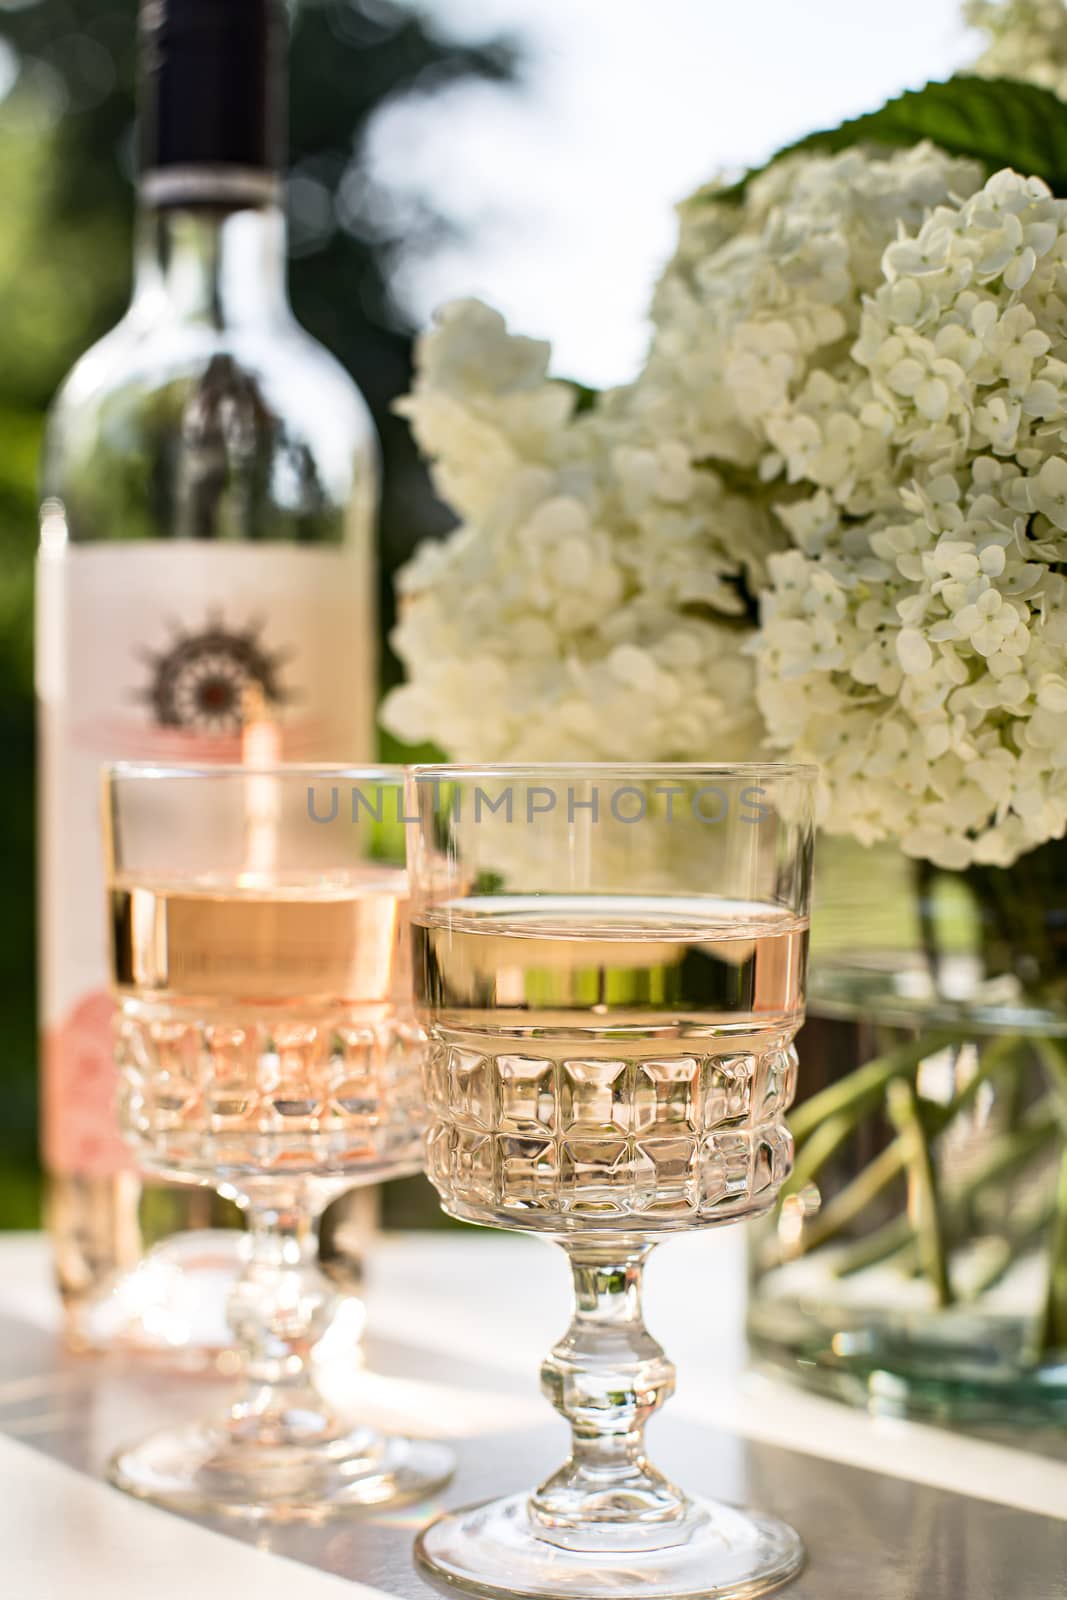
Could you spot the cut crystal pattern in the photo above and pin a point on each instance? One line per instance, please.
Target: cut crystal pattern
(587, 1140)
(330, 1095)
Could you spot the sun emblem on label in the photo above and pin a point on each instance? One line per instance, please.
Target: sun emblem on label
(204, 681)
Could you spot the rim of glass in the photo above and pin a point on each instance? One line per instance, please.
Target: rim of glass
(654, 769)
(235, 769)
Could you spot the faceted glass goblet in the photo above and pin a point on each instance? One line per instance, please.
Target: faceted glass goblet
(266, 1047)
(609, 967)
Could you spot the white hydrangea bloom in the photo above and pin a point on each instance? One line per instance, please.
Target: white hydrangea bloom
(483, 406)
(854, 408)
(928, 690)
(533, 637)
(574, 612)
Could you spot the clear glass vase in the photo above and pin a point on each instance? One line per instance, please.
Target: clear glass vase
(917, 1259)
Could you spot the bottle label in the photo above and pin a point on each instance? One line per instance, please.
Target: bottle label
(154, 652)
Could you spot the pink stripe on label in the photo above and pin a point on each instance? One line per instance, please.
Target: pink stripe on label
(127, 741)
(80, 1124)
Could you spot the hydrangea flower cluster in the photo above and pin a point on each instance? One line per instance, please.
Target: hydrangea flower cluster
(830, 514)
(583, 608)
(1027, 40)
(920, 652)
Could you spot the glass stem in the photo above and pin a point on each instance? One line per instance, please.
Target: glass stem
(280, 1309)
(606, 1377)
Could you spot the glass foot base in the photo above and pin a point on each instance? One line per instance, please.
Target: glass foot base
(170, 1308)
(208, 1467)
(494, 1549)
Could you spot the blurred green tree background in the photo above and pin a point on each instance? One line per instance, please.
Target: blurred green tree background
(67, 75)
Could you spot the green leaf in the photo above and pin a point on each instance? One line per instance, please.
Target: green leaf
(996, 121)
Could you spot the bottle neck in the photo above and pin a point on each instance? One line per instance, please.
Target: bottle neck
(211, 264)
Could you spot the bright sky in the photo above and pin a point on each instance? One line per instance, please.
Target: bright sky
(564, 187)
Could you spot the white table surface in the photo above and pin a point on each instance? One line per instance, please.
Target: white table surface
(471, 1318)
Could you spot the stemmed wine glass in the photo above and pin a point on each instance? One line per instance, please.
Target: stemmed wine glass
(266, 1046)
(609, 966)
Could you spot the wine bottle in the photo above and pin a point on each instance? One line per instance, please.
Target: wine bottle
(206, 547)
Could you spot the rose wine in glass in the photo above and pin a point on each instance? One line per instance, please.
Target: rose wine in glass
(266, 1046)
(264, 1025)
(609, 966)
(595, 1103)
